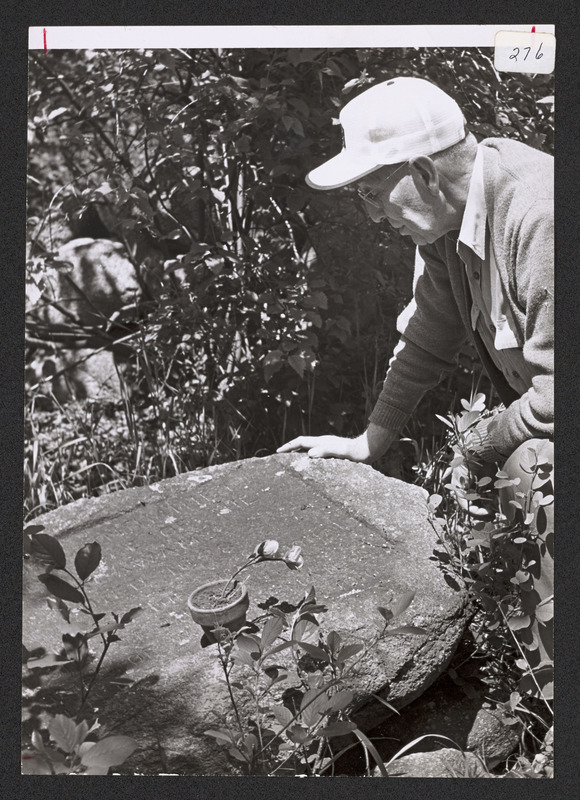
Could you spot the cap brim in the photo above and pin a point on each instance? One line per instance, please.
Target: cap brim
(339, 171)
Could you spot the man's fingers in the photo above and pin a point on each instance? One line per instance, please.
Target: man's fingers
(316, 452)
(286, 448)
(301, 443)
(329, 446)
(316, 446)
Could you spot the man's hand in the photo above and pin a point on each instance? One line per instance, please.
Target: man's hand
(365, 449)
(328, 447)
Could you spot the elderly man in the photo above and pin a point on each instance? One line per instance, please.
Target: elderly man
(481, 216)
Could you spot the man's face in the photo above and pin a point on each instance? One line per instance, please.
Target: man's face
(404, 200)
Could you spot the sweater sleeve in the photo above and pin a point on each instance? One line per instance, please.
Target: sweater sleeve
(531, 250)
(432, 335)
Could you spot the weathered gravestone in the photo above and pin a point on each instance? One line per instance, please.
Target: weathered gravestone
(89, 300)
(366, 540)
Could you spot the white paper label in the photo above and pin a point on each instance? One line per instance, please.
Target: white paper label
(519, 51)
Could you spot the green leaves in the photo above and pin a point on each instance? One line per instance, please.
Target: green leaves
(109, 752)
(315, 300)
(87, 560)
(340, 700)
(500, 558)
(298, 364)
(282, 714)
(339, 728)
(545, 610)
(519, 622)
(503, 483)
(299, 361)
(49, 660)
(476, 403)
(445, 421)
(76, 647)
(407, 630)
(313, 706)
(403, 603)
(333, 642)
(434, 501)
(316, 652)
(348, 651)
(221, 735)
(272, 363)
(399, 608)
(272, 629)
(466, 420)
(61, 589)
(95, 757)
(48, 550)
(65, 733)
(385, 613)
(130, 616)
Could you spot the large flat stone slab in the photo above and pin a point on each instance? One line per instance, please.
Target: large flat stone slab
(365, 539)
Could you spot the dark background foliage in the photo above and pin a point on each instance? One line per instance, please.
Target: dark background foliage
(268, 309)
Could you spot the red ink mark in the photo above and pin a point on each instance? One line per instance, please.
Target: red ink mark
(44, 32)
(533, 28)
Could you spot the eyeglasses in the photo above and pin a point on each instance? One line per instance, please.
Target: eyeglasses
(369, 196)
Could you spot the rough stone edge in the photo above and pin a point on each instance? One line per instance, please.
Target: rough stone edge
(446, 760)
(88, 512)
(308, 469)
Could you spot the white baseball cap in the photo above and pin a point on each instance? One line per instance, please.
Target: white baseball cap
(389, 124)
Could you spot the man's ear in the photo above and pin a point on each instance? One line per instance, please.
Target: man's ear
(425, 173)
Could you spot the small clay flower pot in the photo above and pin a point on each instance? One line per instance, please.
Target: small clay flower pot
(210, 610)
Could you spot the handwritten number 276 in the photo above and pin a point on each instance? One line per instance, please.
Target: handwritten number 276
(516, 52)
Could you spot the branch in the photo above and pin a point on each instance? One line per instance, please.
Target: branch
(123, 160)
(160, 200)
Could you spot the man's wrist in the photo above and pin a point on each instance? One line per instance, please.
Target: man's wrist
(373, 443)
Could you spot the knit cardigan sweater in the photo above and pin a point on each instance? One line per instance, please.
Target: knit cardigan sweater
(518, 184)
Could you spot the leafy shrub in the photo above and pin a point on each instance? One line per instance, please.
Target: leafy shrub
(73, 753)
(48, 551)
(492, 556)
(289, 731)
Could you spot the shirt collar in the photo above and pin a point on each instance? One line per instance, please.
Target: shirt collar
(473, 225)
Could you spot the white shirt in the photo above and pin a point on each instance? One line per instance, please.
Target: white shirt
(490, 312)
